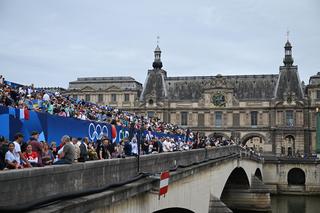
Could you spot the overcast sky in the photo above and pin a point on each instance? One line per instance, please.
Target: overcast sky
(50, 43)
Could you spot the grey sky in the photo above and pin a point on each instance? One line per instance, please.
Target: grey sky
(50, 43)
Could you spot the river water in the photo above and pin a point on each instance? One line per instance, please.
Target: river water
(295, 204)
(292, 204)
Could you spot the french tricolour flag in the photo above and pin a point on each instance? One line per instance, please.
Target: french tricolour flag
(24, 114)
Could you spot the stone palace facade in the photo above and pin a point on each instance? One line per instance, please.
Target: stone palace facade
(275, 114)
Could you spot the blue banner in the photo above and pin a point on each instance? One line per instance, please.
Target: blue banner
(52, 127)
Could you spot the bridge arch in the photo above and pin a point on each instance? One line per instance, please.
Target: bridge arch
(258, 174)
(238, 179)
(174, 210)
(296, 176)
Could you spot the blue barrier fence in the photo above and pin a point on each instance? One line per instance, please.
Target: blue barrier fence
(52, 127)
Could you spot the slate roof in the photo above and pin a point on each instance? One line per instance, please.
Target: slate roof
(246, 87)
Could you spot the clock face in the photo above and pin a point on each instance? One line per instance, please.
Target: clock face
(218, 100)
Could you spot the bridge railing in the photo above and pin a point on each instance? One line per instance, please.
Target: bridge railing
(249, 154)
(292, 160)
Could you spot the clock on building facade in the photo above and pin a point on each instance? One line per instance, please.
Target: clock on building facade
(218, 99)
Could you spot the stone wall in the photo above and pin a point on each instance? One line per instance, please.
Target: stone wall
(276, 176)
(30, 185)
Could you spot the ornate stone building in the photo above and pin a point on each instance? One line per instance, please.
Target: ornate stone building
(275, 113)
(120, 92)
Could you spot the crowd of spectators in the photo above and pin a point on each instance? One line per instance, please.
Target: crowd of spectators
(27, 97)
(30, 152)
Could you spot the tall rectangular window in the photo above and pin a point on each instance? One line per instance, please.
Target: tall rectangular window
(200, 119)
(318, 94)
(113, 97)
(126, 97)
(218, 119)
(87, 98)
(184, 118)
(254, 118)
(75, 96)
(289, 118)
(100, 98)
(166, 117)
(236, 119)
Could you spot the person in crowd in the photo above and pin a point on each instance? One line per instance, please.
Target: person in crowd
(83, 150)
(68, 152)
(127, 147)
(110, 147)
(47, 156)
(12, 161)
(54, 149)
(167, 146)
(46, 97)
(34, 136)
(156, 146)
(3, 150)
(119, 153)
(36, 147)
(101, 149)
(76, 149)
(145, 146)
(92, 152)
(31, 156)
(86, 141)
(134, 146)
(18, 138)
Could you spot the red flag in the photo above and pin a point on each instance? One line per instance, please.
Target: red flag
(26, 114)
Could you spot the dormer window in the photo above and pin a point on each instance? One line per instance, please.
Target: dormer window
(151, 102)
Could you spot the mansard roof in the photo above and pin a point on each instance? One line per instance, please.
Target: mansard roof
(245, 87)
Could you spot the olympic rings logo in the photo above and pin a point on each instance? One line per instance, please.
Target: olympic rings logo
(96, 132)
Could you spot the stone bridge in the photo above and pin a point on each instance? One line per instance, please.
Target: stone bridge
(203, 180)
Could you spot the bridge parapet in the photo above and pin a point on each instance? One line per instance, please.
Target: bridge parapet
(37, 184)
